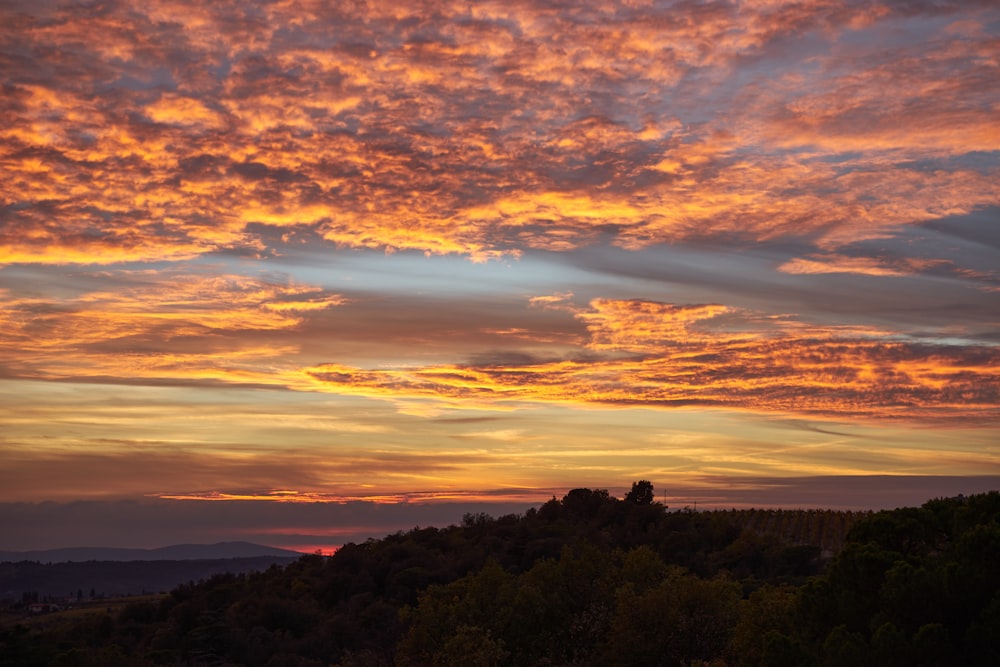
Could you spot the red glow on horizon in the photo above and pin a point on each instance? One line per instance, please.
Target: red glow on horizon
(310, 549)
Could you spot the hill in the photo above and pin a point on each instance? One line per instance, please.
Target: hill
(174, 552)
(586, 580)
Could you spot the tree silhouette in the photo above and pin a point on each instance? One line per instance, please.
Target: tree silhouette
(641, 493)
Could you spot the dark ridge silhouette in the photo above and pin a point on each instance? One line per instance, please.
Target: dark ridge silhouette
(116, 578)
(174, 552)
(585, 580)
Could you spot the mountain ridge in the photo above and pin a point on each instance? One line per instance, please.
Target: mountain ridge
(215, 551)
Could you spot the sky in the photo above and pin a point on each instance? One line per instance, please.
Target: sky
(304, 272)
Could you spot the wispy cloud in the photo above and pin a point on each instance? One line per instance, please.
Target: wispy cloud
(670, 363)
(157, 324)
(871, 266)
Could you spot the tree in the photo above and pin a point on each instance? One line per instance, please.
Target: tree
(682, 620)
(585, 503)
(641, 493)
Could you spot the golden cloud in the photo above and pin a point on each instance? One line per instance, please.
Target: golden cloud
(635, 353)
(805, 370)
(482, 132)
(162, 326)
(871, 266)
(637, 325)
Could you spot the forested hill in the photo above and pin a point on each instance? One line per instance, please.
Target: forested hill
(586, 580)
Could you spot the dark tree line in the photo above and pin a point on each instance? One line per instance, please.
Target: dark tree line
(587, 580)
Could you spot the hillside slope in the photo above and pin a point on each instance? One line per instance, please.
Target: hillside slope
(586, 580)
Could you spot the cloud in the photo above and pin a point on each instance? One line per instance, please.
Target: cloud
(870, 266)
(637, 326)
(157, 324)
(214, 330)
(202, 463)
(794, 368)
(183, 111)
(485, 131)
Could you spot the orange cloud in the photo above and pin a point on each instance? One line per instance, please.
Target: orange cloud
(638, 326)
(871, 266)
(163, 326)
(648, 354)
(900, 100)
(803, 370)
(182, 131)
(184, 111)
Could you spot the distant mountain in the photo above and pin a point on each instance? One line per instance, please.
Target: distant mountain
(221, 550)
(113, 578)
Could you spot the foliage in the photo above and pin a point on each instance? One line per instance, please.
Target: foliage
(641, 493)
(585, 580)
(913, 586)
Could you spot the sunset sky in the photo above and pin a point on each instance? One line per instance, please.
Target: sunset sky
(303, 272)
